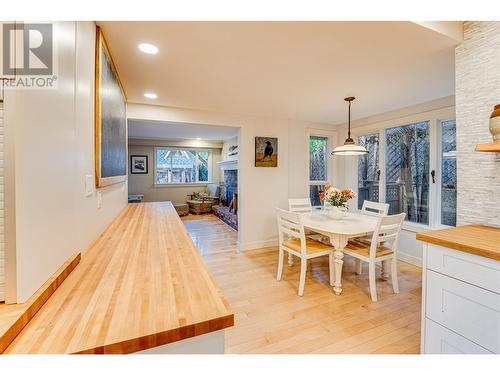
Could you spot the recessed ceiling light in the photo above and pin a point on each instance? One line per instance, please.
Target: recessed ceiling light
(148, 48)
(150, 95)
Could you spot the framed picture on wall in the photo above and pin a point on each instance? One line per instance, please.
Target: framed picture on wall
(138, 164)
(266, 152)
(110, 119)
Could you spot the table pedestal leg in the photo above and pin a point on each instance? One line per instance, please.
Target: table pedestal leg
(331, 268)
(338, 263)
(339, 243)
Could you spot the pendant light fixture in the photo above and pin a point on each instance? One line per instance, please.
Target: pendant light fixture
(349, 147)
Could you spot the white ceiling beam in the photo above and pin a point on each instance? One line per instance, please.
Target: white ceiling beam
(451, 29)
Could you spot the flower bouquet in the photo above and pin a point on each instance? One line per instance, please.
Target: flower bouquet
(335, 201)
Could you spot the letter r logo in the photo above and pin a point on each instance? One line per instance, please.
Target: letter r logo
(27, 49)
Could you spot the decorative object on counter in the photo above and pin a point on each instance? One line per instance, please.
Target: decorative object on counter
(233, 150)
(495, 123)
(139, 164)
(110, 119)
(335, 201)
(181, 208)
(266, 152)
(495, 132)
(350, 147)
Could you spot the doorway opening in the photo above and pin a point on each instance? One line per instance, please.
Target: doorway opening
(194, 166)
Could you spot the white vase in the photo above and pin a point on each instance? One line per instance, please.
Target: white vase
(333, 212)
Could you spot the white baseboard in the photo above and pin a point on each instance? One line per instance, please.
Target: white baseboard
(407, 258)
(244, 246)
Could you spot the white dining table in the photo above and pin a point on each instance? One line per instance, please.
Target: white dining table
(339, 232)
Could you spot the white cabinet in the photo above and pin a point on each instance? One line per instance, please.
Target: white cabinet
(460, 302)
(472, 269)
(440, 340)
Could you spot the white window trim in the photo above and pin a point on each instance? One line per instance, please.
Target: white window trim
(331, 165)
(186, 184)
(434, 118)
(439, 177)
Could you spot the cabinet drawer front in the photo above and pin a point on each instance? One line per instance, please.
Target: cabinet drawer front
(465, 309)
(470, 268)
(440, 340)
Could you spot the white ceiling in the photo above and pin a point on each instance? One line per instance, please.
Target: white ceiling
(173, 130)
(299, 70)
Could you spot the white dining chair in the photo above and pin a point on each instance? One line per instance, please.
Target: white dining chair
(371, 209)
(383, 248)
(293, 240)
(374, 208)
(300, 205)
(303, 205)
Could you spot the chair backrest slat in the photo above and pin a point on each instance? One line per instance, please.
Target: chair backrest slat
(374, 208)
(299, 205)
(290, 225)
(387, 230)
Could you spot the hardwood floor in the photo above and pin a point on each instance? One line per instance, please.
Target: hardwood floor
(271, 318)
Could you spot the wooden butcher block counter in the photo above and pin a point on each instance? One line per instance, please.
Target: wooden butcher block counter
(475, 239)
(142, 284)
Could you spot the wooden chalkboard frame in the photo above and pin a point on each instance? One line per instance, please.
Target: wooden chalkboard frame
(99, 180)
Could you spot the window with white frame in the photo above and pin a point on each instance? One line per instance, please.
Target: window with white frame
(448, 165)
(413, 168)
(407, 171)
(368, 169)
(318, 166)
(181, 166)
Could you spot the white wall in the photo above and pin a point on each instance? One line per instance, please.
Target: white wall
(2, 223)
(144, 183)
(90, 220)
(261, 190)
(51, 133)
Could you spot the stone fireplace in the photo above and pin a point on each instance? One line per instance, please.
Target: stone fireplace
(227, 209)
(229, 186)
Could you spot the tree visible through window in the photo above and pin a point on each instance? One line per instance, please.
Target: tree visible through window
(318, 166)
(407, 171)
(202, 166)
(181, 166)
(368, 170)
(448, 173)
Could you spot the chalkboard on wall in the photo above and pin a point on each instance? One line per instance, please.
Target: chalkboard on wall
(110, 119)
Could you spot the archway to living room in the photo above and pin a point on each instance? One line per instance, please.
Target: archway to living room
(194, 166)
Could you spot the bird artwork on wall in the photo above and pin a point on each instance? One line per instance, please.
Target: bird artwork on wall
(266, 152)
